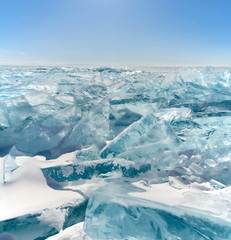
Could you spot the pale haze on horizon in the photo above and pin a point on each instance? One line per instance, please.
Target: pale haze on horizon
(116, 32)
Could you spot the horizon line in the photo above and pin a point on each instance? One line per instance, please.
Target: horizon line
(110, 65)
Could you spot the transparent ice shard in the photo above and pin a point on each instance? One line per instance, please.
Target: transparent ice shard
(121, 118)
(129, 136)
(9, 166)
(91, 153)
(9, 163)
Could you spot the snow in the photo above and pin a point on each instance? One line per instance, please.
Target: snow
(28, 192)
(193, 196)
(74, 232)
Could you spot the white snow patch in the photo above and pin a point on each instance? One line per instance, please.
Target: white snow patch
(86, 186)
(74, 232)
(28, 192)
(41, 162)
(196, 196)
(53, 217)
(67, 171)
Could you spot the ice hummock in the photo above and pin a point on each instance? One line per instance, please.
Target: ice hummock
(154, 141)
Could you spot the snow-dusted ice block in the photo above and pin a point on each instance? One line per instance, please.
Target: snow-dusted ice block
(158, 147)
(129, 136)
(46, 223)
(97, 168)
(33, 207)
(157, 212)
(74, 232)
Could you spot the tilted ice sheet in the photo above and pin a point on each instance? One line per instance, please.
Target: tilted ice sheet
(159, 211)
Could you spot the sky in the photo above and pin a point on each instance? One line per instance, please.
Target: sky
(116, 32)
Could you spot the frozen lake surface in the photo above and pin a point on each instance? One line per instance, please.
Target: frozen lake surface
(109, 153)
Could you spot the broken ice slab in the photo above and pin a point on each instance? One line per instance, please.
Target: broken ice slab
(9, 164)
(89, 169)
(158, 147)
(203, 133)
(160, 155)
(205, 166)
(129, 136)
(31, 137)
(121, 211)
(195, 87)
(39, 122)
(121, 118)
(46, 223)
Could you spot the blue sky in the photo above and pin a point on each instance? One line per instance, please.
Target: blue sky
(116, 32)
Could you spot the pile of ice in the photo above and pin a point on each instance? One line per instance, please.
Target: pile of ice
(133, 154)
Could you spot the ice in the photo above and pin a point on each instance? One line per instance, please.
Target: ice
(53, 218)
(44, 223)
(129, 136)
(157, 147)
(9, 164)
(52, 113)
(119, 211)
(91, 153)
(150, 151)
(32, 206)
(96, 168)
